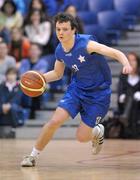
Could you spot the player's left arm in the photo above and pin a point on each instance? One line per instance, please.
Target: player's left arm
(110, 52)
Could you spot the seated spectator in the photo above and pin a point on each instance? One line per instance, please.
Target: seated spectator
(71, 9)
(129, 97)
(5, 34)
(35, 61)
(38, 30)
(38, 63)
(38, 5)
(11, 112)
(19, 46)
(10, 16)
(6, 61)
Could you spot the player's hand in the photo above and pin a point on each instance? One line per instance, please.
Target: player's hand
(127, 69)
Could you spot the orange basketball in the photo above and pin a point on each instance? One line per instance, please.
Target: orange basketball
(32, 83)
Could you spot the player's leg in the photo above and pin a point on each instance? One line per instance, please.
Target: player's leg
(59, 117)
(86, 133)
(90, 129)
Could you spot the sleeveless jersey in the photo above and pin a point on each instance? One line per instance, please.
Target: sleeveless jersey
(90, 71)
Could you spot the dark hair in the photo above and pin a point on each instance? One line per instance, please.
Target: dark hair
(65, 17)
(137, 59)
(11, 70)
(44, 8)
(36, 44)
(11, 3)
(28, 18)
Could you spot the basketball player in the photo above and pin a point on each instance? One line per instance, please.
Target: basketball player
(89, 91)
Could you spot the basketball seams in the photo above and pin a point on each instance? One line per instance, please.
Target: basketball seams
(37, 83)
(34, 81)
(42, 89)
(35, 72)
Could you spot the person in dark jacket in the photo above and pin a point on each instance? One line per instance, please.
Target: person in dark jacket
(34, 62)
(129, 95)
(11, 111)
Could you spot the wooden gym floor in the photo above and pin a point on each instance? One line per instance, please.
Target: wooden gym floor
(71, 160)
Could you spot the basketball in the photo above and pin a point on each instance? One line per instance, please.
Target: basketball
(32, 83)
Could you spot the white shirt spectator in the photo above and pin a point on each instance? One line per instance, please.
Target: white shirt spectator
(39, 34)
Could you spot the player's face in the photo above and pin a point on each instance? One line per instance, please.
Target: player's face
(64, 32)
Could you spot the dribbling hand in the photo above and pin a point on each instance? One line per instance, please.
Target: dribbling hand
(127, 69)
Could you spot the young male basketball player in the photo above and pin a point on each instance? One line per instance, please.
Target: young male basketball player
(89, 91)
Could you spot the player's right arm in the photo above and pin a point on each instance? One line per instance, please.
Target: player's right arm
(55, 74)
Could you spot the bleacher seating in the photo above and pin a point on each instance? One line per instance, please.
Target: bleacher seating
(88, 17)
(100, 5)
(98, 31)
(80, 6)
(128, 7)
(112, 21)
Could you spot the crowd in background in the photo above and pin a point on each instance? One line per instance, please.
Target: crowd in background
(125, 120)
(27, 38)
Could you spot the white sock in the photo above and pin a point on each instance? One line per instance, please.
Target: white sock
(35, 152)
(96, 130)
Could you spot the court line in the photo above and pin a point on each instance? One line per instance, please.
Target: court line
(108, 157)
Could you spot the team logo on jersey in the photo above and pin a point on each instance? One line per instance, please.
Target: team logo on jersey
(69, 54)
(81, 58)
(75, 67)
(98, 119)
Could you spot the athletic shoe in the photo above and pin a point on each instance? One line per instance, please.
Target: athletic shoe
(98, 140)
(28, 161)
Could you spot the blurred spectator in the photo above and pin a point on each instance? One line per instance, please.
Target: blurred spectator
(6, 61)
(5, 34)
(10, 16)
(129, 97)
(38, 5)
(71, 9)
(19, 46)
(38, 63)
(11, 112)
(38, 30)
(1, 3)
(34, 61)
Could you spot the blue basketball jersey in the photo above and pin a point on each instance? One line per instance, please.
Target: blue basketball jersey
(90, 71)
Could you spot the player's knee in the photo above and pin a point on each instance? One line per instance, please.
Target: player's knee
(81, 137)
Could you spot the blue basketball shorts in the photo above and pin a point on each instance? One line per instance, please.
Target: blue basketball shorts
(91, 106)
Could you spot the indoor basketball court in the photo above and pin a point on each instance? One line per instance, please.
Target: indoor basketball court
(29, 49)
(71, 160)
